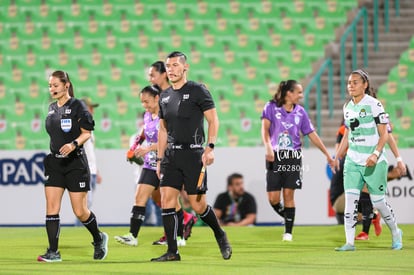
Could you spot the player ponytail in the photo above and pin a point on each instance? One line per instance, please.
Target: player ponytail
(284, 87)
(159, 66)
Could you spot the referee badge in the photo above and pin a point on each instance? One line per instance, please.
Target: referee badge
(66, 124)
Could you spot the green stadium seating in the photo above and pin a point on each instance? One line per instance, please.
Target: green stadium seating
(299, 12)
(240, 49)
(8, 136)
(310, 46)
(333, 13)
(322, 29)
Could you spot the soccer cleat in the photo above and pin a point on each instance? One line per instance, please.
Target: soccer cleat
(101, 248)
(167, 257)
(377, 224)
(50, 257)
(287, 237)
(181, 241)
(225, 247)
(345, 247)
(362, 236)
(397, 240)
(127, 239)
(161, 241)
(188, 226)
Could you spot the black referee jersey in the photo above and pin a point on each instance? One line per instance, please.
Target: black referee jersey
(63, 124)
(183, 110)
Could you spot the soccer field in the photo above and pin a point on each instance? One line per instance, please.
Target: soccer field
(256, 250)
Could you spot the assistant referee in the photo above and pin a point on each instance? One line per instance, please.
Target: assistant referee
(69, 125)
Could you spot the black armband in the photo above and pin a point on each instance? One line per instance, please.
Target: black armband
(381, 118)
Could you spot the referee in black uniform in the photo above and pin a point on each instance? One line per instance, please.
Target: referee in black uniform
(181, 153)
(69, 125)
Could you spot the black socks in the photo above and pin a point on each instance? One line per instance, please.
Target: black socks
(137, 218)
(169, 218)
(209, 217)
(92, 225)
(53, 231)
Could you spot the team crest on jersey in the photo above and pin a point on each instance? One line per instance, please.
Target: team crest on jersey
(68, 111)
(362, 113)
(165, 99)
(186, 96)
(297, 120)
(66, 124)
(150, 134)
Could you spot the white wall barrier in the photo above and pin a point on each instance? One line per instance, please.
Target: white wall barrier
(22, 200)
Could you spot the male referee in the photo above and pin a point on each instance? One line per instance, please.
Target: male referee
(181, 154)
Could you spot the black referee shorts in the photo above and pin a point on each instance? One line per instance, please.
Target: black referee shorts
(70, 173)
(149, 177)
(182, 167)
(284, 172)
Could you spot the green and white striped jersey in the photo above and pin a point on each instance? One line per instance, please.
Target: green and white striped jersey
(361, 120)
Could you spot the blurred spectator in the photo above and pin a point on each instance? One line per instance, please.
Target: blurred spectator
(236, 207)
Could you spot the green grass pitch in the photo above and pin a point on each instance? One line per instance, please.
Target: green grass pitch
(256, 250)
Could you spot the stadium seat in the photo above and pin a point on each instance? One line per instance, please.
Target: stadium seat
(7, 136)
(310, 46)
(333, 13)
(322, 29)
(299, 12)
(407, 57)
(288, 29)
(346, 4)
(393, 98)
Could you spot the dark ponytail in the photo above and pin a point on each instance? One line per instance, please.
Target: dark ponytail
(284, 87)
(64, 78)
(159, 66)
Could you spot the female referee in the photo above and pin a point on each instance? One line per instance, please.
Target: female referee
(283, 119)
(68, 124)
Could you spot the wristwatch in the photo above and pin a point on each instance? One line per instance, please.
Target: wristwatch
(211, 145)
(75, 142)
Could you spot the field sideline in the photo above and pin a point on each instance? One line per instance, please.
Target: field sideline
(256, 250)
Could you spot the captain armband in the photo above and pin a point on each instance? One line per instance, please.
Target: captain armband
(382, 118)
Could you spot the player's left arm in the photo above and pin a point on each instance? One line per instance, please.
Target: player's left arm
(381, 119)
(212, 130)
(393, 146)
